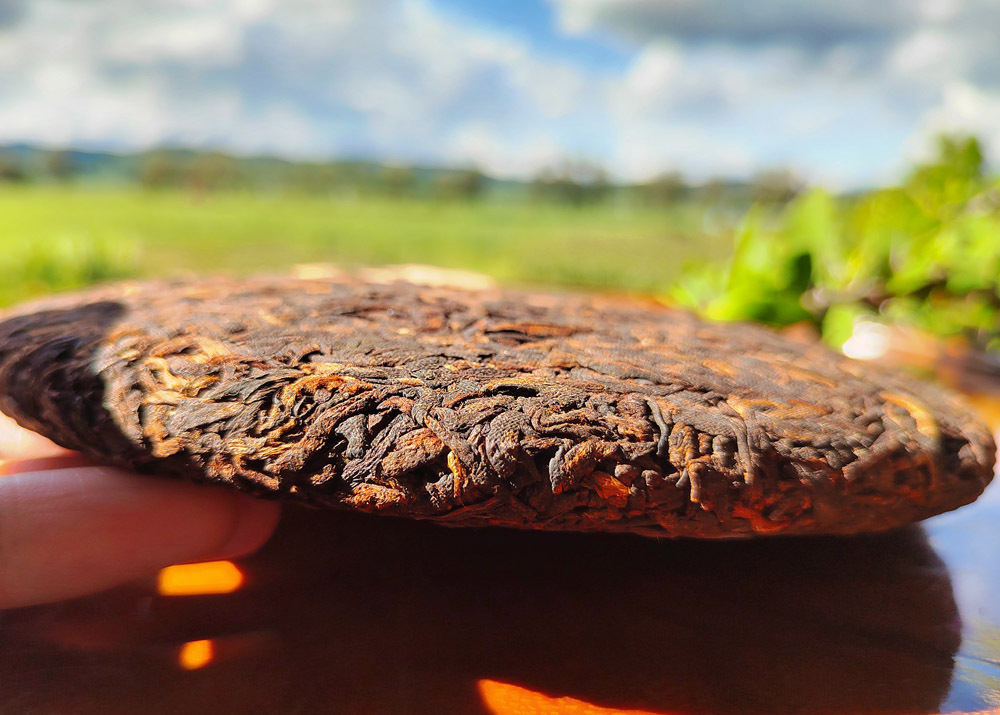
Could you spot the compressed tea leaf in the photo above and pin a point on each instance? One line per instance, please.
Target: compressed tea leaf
(474, 408)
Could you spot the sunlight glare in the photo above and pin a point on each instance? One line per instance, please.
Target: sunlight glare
(196, 654)
(507, 699)
(208, 577)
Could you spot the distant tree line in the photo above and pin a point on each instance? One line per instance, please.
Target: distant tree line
(575, 182)
(210, 172)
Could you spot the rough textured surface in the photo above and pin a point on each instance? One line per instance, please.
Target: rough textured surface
(536, 411)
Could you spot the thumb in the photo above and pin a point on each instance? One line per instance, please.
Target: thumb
(78, 530)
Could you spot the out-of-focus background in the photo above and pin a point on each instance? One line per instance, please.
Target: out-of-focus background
(827, 167)
(828, 164)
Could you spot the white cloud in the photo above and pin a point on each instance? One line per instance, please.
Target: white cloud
(963, 108)
(836, 90)
(389, 78)
(848, 86)
(478, 145)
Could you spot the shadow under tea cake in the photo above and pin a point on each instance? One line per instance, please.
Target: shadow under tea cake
(489, 408)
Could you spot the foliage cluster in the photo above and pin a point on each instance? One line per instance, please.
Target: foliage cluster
(926, 253)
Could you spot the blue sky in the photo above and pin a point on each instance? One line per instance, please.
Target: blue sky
(536, 22)
(847, 92)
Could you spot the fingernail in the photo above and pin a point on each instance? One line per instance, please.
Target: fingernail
(254, 521)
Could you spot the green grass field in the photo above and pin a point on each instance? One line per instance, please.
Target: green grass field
(59, 238)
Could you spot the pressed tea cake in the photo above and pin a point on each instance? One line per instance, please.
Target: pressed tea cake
(474, 408)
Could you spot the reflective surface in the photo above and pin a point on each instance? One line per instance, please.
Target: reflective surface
(343, 613)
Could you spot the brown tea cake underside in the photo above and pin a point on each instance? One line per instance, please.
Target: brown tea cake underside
(537, 411)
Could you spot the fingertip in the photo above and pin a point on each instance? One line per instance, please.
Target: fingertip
(19, 443)
(71, 532)
(254, 522)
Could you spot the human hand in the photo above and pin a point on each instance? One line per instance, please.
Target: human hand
(68, 528)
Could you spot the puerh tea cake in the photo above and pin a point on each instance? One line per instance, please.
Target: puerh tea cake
(475, 408)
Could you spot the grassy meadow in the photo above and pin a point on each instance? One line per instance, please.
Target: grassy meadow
(923, 253)
(60, 237)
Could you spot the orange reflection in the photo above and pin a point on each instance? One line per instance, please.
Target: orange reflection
(506, 699)
(195, 654)
(40, 464)
(199, 579)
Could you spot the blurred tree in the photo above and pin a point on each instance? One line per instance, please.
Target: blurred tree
(358, 178)
(776, 186)
(665, 189)
(462, 185)
(575, 182)
(12, 170)
(712, 191)
(398, 181)
(324, 179)
(159, 169)
(210, 172)
(59, 165)
(313, 179)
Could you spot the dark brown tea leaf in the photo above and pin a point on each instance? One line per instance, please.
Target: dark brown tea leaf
(473, 408)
